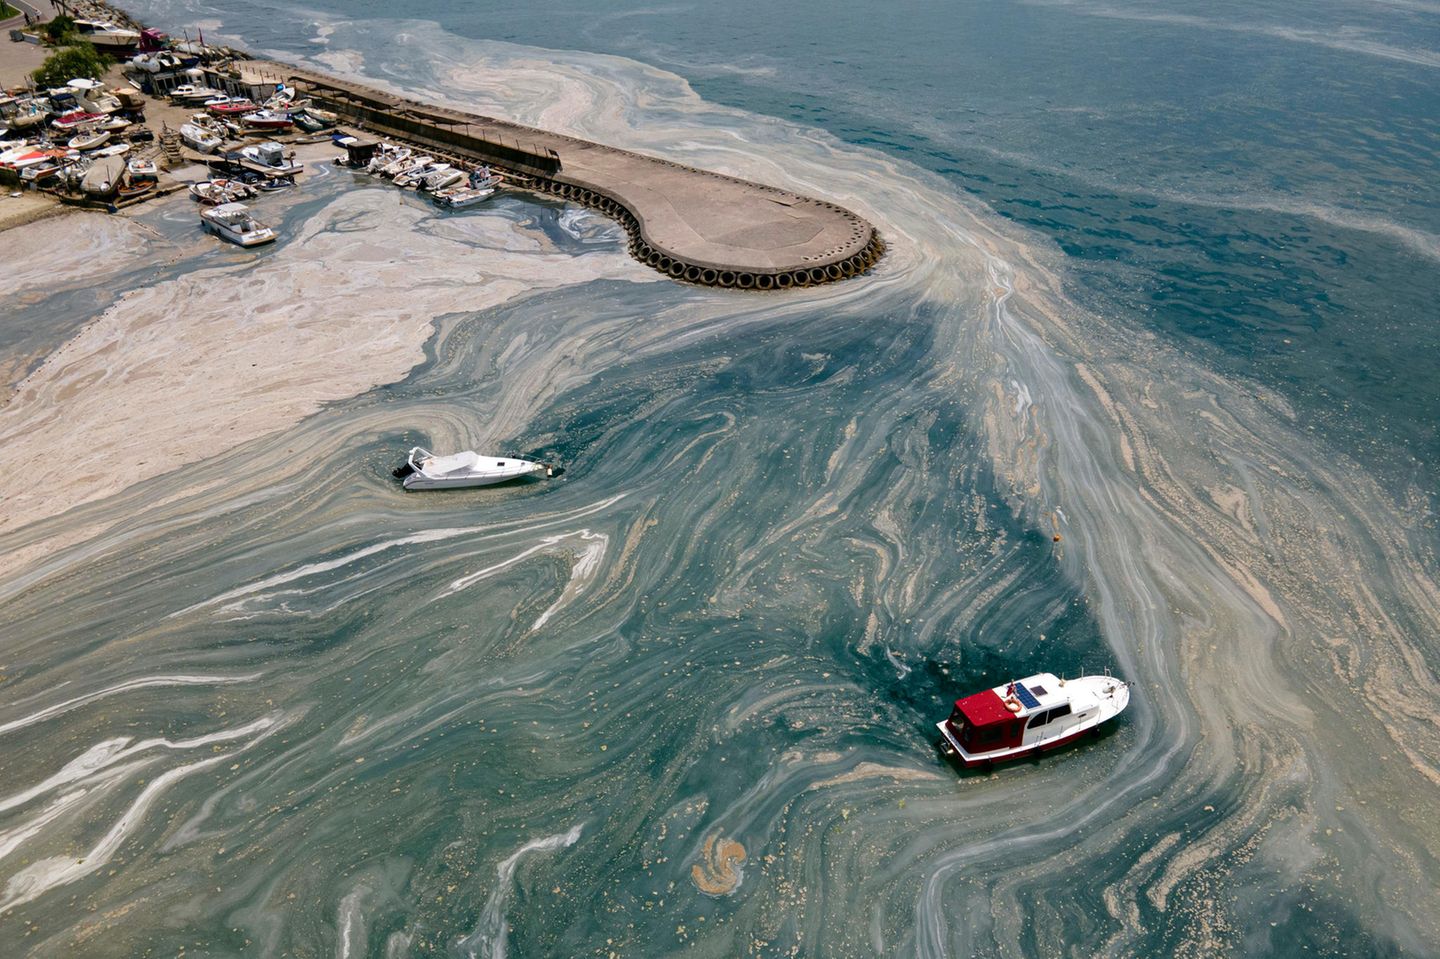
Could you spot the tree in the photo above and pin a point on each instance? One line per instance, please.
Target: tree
(67, 63)
(59, 28)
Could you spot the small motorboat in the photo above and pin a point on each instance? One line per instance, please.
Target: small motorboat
(114, 124)
(233, 222)
(417, 169)
(189, 94)
(107, 37)
(267, 120)
(91, 95)
(1029, 716)
(440, 179)
(200, 139)
(460, 197)
(271, 156)
(231, 106)
(424, 470)
(220, 190)
(103, 178)
(77, 120)
(143, 169)
(89, 141)
(113, 150)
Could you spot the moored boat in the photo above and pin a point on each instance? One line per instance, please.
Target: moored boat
(424, 470)
(1029, 716)
(220, 191)
(440, 179)
(233, 222)
(460, 197)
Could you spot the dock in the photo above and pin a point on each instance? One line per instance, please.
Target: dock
(692, 225)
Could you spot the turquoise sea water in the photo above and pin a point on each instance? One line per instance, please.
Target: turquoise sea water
(1161, 284)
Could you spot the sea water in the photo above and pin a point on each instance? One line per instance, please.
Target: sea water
(1146, 382)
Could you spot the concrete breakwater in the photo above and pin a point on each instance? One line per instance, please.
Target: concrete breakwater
(692, 225)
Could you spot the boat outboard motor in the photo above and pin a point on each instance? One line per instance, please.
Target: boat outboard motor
(552, 471)
(403, 470)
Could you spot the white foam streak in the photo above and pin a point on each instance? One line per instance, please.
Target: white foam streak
(489, 937)
(129, 686)
(43, 875)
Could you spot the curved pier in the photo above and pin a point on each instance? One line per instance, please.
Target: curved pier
(692, 225)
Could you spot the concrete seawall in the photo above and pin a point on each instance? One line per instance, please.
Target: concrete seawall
(690, 224)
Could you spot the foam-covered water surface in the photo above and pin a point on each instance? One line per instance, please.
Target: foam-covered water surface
(257, 700)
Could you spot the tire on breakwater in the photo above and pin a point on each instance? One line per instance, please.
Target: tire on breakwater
(727, 278)
(784, 281)
(746, 281)
(709, 277)
(817, 275)
(764, 282)
(693, 274)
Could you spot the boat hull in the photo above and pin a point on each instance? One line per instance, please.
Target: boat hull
(419, 481)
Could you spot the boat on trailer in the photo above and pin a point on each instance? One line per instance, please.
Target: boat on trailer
(1029, 716)
(424, 470)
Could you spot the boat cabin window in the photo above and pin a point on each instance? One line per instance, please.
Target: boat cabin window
(1050, 715)
(499, 462)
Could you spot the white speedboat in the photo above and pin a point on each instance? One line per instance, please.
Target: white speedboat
(107, 37)
(267, 120)
(89, 141)
(143, 168)
(92, 96)
(417, 169)
(199, 138)
(440, 179)
(458, 198)
(271, 155)
(424, 470)
(233, 222)
(187, 94)
(1029, 716)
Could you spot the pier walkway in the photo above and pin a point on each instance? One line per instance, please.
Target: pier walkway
(690, 224)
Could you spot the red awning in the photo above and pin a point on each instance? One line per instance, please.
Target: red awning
(984, 709)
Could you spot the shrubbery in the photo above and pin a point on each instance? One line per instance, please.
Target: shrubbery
(65, 64)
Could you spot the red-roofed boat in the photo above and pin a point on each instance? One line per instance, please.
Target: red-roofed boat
(1029, 716)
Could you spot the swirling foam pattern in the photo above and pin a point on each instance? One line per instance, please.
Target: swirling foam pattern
(258, 701)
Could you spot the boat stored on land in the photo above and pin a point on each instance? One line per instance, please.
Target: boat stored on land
(424, 470)
(233, 222)
(89, 141)
(199, 138)
(107, 37)
(1029, 716)
(267, 120)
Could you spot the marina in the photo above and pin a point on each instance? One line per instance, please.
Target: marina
(692, 225)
